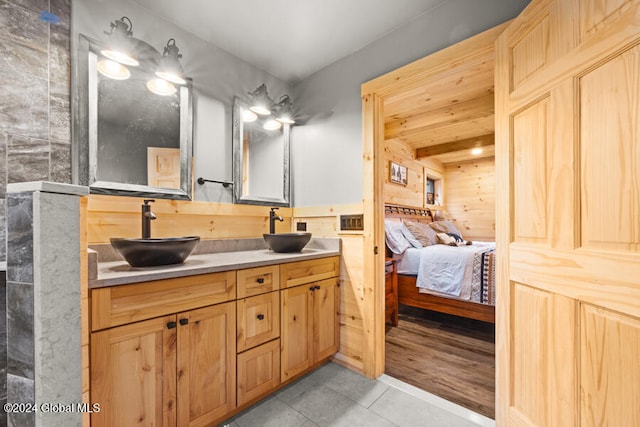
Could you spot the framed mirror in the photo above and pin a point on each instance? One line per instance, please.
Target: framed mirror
(128, 140)
(260, 160)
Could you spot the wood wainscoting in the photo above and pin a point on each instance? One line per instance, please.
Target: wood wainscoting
(116, 216)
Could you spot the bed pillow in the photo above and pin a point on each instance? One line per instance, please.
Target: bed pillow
(445, 227)
(425, 234)
(410, 237)
(396, 242)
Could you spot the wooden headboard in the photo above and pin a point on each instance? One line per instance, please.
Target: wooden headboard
(406, 212)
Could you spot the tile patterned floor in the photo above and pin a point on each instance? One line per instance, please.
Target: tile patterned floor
(336, 396)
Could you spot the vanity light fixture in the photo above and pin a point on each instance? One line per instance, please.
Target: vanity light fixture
(170, 68)
(248, 116)
(113, 70)
(284, 110)
(262, 105)
(272, 124)
(161, 87)
(260, 101)
(119, 46)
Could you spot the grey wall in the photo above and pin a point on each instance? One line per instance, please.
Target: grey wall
(35, 124)
(327, 150)
(217, 76)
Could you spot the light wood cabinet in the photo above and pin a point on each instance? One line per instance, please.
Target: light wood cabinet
(133, 374)
(258, 330)
(137, 370)
(258, 320)
(258, 371)
(206, 364)
(309, 314)
(193, 351)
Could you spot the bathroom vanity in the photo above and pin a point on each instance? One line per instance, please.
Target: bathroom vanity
(195, 343)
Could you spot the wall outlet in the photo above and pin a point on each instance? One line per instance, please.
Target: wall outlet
(301, 226)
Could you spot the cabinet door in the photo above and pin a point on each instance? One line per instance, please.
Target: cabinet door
(258, 371)
(297, 330)
(258, 320)
(133, 374)
(325, 318)
(206, 364)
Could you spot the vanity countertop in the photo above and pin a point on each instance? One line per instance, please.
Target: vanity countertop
(120, 273)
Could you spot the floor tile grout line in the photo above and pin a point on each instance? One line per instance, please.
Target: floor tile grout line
(381, 394)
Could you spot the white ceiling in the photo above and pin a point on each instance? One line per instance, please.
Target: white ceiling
(290, 39)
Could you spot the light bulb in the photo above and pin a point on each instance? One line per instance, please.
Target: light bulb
(248, 116)
(113, 70)
(161, 87)
(272, 125)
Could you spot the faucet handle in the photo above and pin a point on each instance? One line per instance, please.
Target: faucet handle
(147, 201)
(274, 209)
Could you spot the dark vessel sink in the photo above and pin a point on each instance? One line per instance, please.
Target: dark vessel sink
(287, 242)
(155, 251)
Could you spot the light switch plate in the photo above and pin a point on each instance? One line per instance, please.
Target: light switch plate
(352, 222)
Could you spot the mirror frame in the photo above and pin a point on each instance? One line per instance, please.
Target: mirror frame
(238, 142)
(85, 134)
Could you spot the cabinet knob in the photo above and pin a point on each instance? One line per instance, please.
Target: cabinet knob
(260, 280)
(184, 321)
(260, 316)
(312, 288)
(171, 325)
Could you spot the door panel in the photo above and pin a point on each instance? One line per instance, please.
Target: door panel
(206, 364)
(139, 358)
(568, 223)
(530, 172)
(610, 170)
(326, 335)
(297, 330)
(610, 388)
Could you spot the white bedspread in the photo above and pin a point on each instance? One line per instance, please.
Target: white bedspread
(442, 268)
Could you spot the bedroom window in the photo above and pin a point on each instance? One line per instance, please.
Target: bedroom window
(433, 189)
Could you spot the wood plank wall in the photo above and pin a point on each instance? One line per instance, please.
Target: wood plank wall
(413, 194)
(110, 216)
(323, 221)
(470, 187)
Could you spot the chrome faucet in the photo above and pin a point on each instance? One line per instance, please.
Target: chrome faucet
(272, 220)
(147, 216)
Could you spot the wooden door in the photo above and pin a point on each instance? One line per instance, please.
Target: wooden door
(163, 167)
(133, 374)
(568, 223)
(206, 364)
(297, 330)
(325, 313)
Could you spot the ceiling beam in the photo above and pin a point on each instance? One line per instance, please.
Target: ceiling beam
(465, 144)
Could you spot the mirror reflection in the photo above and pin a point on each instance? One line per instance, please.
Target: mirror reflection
(260, 158)
(133, 135)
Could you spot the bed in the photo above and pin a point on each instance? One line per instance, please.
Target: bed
(469, 294)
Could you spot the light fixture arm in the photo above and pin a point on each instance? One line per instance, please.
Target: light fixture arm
(122, 25)
(171, 49)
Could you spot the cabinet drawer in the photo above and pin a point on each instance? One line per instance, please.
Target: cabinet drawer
(297, 273)
(118, 305)
(258, 371)
(256, 281)
(258, 320)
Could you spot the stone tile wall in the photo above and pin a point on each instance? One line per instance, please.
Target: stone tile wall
(35, 107)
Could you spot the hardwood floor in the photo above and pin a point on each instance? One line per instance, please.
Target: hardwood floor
(448, 356)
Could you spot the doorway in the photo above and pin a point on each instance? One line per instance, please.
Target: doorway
(403, 115)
